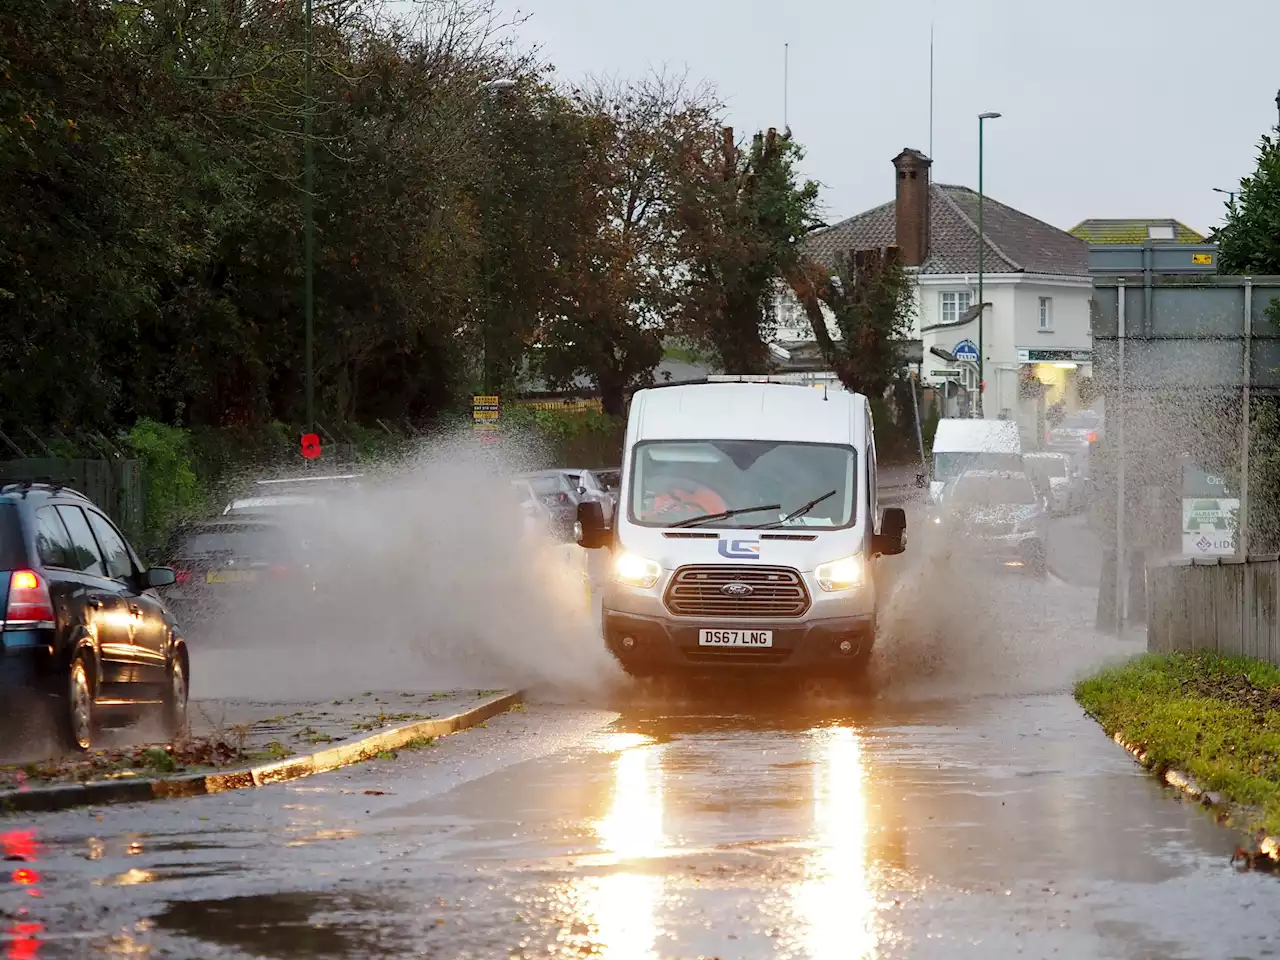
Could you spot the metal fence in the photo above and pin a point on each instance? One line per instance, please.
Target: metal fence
(1225, 605)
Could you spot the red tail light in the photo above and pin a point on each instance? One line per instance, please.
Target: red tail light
(1093, 437)
(29, 601)
(182, 576)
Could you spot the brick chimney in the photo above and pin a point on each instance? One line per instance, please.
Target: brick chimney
(912, 205)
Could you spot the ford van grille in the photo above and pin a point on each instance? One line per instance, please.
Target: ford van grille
(698, 591)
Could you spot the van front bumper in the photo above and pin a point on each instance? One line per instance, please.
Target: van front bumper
(663, 645)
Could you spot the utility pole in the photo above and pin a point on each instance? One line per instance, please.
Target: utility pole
(308, 192)
(982, 244)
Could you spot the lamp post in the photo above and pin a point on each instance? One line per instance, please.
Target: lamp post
(501, 85)
(308, 234)
(982, 243)
(1231, 195)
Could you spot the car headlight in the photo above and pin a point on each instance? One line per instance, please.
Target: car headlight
(635, 570)
(843, 574)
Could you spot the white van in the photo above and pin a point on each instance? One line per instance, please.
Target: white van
(746, 531)
(962, 444)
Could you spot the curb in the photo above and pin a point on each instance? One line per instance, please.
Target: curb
(1268, 846)
(101, 792)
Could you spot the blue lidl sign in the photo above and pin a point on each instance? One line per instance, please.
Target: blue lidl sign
(966, 350)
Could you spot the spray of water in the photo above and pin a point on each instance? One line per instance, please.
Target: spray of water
(426, 576)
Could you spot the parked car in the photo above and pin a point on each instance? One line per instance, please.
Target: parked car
(1074, 434)
(221, 563)
(1059, 479)
(560, 497)
(599, 485)
(997, 516)
(537, 516)
(84, 631)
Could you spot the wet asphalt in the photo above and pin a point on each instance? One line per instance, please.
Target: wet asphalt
(985, 818)
(993, 827)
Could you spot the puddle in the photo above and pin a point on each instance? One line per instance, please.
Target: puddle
(285, 925)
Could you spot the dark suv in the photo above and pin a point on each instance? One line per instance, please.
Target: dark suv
(83, 628)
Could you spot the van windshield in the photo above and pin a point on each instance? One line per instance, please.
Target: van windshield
(948, 466)
(674, 480)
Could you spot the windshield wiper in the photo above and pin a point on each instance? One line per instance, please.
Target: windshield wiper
(799, 511)
(725, 515)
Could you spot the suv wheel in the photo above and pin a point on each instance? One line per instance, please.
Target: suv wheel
(175, 697)
(77, 721)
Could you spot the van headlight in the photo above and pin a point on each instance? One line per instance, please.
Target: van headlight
(843, 574)
(635, 570)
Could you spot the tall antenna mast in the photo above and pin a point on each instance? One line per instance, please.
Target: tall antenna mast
(930, 98)
(786, 79)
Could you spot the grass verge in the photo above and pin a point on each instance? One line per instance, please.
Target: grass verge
(1215, 718)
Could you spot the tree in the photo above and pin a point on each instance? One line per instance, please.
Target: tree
(871, 298)
(1249, 241)
(619, 296)
(742, 216)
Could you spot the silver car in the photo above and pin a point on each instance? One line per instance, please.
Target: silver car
(1058, 475)
(998, 517)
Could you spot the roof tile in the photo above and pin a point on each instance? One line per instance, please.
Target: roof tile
(1014, 241)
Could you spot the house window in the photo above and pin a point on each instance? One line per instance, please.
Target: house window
(954, 305)
(1046, 314)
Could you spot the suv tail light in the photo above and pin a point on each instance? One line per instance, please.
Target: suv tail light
(1093, 437)
(29, 602)
(181, 576)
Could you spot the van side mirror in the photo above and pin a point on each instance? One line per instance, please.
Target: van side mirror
(158, 577)
(591, 529)
(892, 538)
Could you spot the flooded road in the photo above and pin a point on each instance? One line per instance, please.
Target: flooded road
(988, 827)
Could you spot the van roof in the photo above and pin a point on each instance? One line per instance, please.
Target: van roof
(958, 435)
(747, 411)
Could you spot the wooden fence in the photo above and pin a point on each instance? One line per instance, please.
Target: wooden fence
(1227, 605)
(117, 486)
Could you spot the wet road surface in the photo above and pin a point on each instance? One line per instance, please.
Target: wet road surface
(984, 827)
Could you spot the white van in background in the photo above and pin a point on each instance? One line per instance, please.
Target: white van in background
(746, 532)
(962, 444)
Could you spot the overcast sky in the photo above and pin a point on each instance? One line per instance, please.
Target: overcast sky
(1112, 108)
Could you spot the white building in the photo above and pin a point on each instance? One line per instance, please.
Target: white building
(1035, 282)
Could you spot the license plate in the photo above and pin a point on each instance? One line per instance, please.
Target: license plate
(230, 576)
(735, 638)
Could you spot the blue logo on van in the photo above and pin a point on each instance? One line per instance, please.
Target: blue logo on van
(739, 549)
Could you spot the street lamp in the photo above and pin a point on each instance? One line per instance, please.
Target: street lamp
(499, 85)
(1231, 194)
(982, 118)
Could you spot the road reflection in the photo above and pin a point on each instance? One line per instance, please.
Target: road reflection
(23, 937)
(835, 901)
(617, 910)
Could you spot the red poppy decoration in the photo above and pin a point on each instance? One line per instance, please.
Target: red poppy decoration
(311, 446)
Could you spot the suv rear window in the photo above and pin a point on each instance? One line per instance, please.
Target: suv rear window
(13, 552)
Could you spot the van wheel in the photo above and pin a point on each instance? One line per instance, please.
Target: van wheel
(77, 722)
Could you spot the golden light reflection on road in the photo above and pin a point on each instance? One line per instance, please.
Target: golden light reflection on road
(615, 913)
(835, 903)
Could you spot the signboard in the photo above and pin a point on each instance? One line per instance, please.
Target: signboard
(485, 411)
(945, 374)
(1202, 259)
(966, 350)
(485, 408)
(1210, 511)
(1055, 356)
